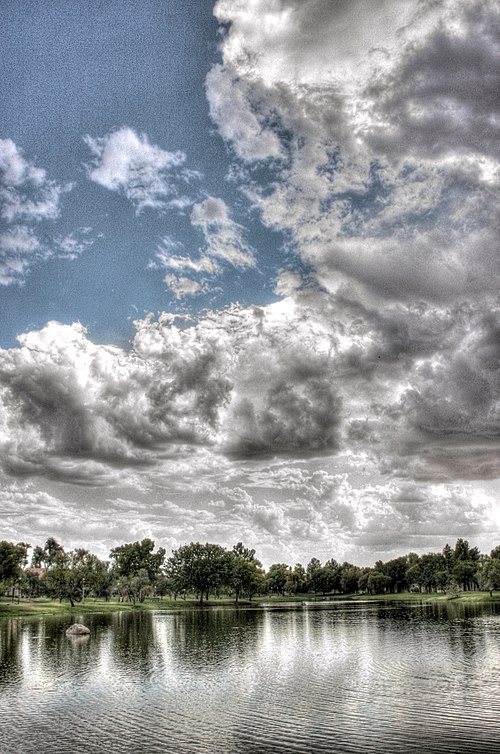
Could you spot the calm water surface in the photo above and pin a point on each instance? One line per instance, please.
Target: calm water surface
(348, 677)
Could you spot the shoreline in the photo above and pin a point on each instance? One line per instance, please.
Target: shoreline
(41, 606)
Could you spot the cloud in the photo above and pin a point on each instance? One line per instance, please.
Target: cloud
(19, 248)
(391, 177)
(65, 400)
(263, 423)
(74, 244)
(230, 104)
(360, 414)
(439, 100)
(26, 194)
(182, 286)
(28, 200)
(388, 192)
(166, 256)
(223, 236)
(149, 177)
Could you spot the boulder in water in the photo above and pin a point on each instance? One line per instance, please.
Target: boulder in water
(77, 629)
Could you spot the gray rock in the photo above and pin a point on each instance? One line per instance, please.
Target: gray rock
(77, 629)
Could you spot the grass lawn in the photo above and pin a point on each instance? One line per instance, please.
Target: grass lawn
(43, 606)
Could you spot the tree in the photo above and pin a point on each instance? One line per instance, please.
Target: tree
(330, 580)
(246, 575)
(38, 557)
(74, 573)
(395, 570)
(378, 582)
(135, 588)
(349, 578)
(313, 571)
(203, 569)
(277, 577)
(296, 579)
(465, 564)
(131, 558)
(12, 559)
(53, 553)
(489, 577)
(429, 572)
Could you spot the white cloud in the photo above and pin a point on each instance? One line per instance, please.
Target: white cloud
(182, 286)
(231, 108)
(147, 175)
(223, 236)
(268, 424)
(392, 178)
(343, 421)
(28, 199)
(167, 257)
(74, 244)
(19, 248)
(26, 194)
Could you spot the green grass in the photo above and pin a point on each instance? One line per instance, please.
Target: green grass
(44, 606)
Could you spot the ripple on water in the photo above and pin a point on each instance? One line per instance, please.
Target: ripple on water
(337, 679)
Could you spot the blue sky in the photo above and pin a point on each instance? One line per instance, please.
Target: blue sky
(249, 274)
(73, 71)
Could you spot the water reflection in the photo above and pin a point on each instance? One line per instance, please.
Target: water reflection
(347, 677)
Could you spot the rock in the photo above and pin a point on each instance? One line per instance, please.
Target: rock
(77, 629)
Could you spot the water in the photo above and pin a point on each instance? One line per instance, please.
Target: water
(338, 678)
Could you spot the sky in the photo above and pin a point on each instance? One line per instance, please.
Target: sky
(249, 275)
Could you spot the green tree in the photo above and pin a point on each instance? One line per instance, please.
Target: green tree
(296, 579)
(131, 558)
(246, 575)
(330, 580)
(489, 576)
(395, 570)
(12, 559)
(349, 577)
(73, 574)
(313, 573)
(134, 588)
(38, 557)
(378, 582)
(53, 553)
(60, 580)
(203, 569)
(277, 578)
(465, 565)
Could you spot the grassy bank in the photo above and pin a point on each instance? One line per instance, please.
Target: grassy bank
(43, 606)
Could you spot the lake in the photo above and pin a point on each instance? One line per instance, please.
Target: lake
(341, 677)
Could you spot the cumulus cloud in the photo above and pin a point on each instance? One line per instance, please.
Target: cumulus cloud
(359, 415)
(388, 190)
(167, 256)
(64, 398)
(388, 123)
(265, 424)
(19, 247)
(149, 176)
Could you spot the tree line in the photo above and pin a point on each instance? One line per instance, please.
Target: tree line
(136, 571)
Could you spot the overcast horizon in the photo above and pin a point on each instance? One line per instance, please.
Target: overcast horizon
(249, 266)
